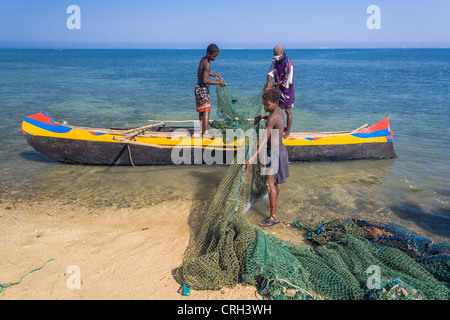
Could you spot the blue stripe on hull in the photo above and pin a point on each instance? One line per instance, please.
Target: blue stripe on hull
(48, 127)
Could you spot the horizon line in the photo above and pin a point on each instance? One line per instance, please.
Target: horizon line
(432, 44)
(224, 48)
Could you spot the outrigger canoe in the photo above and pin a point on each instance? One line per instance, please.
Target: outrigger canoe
(158, 144)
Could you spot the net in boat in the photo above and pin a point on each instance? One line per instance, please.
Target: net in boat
(235, 111)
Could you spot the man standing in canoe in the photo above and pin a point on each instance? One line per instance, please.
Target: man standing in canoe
(282, 69)
(202, 88)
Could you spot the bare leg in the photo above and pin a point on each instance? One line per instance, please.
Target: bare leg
(200, 117)
(288, 122)
(205, 122)
(273, 197)
(205, 125)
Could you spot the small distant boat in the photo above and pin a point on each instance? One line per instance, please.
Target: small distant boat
(156, 144)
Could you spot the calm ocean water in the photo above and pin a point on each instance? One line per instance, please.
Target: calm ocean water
(335, 90)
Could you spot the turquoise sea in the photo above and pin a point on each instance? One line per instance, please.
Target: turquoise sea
(336, 89)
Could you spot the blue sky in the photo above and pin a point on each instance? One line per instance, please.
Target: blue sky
(229, 23)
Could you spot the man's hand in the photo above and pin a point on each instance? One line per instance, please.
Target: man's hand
(222, 83)
(247, 165)
(249, 162)
(259, 118)
(269, 85)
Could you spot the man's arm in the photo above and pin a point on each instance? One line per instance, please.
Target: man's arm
(269, 84)
(207, 73)
(266, 136)
(214, 75)
(270, 75)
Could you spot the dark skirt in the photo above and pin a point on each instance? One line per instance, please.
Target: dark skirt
(279, 164)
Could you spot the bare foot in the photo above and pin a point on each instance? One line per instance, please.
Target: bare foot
(269, 223)
(207, 135)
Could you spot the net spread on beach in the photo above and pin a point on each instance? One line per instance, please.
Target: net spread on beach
(343, 259)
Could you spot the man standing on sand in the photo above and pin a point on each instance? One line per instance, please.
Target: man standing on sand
(282, 69)
(202, 88)
(278, 172)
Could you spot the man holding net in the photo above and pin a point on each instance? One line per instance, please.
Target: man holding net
(202, 88)
(282, 70)
(278, 171)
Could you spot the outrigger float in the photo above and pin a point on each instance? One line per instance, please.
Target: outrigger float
(156, 143)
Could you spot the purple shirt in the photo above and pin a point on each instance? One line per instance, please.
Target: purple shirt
(284, 72)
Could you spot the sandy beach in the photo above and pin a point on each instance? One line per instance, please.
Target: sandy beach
(121, 253)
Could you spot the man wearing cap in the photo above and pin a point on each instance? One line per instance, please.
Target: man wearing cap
(282, 70)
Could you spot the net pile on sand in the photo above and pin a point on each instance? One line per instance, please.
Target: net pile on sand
(339, 262)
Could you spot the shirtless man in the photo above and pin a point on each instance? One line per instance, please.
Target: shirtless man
(202, 87)
(277, 152)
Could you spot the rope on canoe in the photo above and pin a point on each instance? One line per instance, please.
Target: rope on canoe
(129, 154)
(4, 286)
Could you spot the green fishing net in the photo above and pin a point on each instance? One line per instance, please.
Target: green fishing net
(226, 249)
(235, 111)
(216, 255)
(341, 259)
